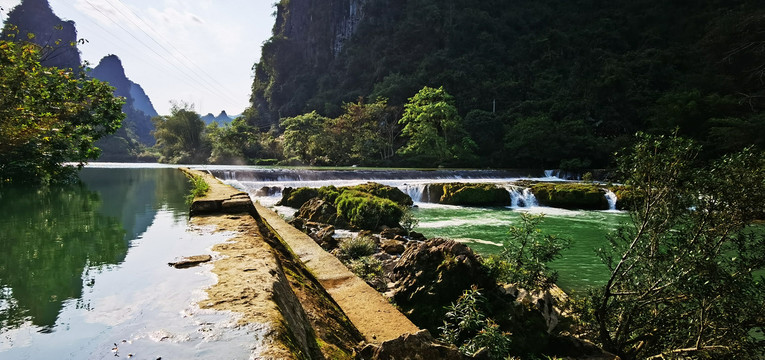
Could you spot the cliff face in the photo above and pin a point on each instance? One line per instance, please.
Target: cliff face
(138, 108)
(539, 83)
(34, 21)
(308, 36)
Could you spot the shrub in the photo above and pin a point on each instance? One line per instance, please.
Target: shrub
(357, 247)
(199, 187)
(366, 211)
(467, 326)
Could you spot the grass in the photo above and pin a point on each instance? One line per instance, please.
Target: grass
(199, 187)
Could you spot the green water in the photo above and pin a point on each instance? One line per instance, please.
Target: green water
(84, 267)
(485, 230)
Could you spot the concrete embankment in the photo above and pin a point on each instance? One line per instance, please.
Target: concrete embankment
(307, 303)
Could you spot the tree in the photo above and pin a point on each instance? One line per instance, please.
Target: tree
(49, 117)
(682, 272)
(180, 136)
(434, 129)
(303, 138)
(524, 258)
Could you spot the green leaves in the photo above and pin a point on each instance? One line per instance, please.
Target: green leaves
(683, 279)
(435, 131)
(49, 117)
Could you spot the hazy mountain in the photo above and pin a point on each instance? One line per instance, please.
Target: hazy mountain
(221, 119)
(34, 21)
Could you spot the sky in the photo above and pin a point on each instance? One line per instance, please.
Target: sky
(196, 51)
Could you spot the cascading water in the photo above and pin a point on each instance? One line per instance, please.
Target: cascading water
(611, 197)
(521, 197)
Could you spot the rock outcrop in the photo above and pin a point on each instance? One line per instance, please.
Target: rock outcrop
(570, 195)
(431, 275)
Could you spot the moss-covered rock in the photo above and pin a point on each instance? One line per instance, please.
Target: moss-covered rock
(473, 194)
(570, 196)
(366, 211)
(384, 191)
(626, 198)
(297, 197)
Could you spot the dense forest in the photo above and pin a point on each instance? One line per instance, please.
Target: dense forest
(543, 83)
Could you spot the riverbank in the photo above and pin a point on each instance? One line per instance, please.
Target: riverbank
(306, 302)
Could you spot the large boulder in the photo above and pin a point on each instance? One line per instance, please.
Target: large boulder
(570, 196)
(472, 194)
(295, 198)
(384, 191)
(320, 211)
(431, 275)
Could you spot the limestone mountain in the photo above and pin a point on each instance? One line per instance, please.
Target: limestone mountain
(34, 21)
(221, 119)
(137, 126)
(539, 83)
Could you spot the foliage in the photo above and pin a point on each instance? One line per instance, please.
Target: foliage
(49, 117)
(199, 187)
(366, 211)
(239, 143)
(303, 140)
(363, 134)
(524, 257)
(539, 83)
(467, 326)
(180, 136)
(434, 130)
(357, 247)
(367, 268)
(682, 272)
(408, 220)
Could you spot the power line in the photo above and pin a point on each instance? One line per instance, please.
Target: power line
(120, 43)
(149, 48)
(214, 83)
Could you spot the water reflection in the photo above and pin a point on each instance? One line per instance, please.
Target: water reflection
(52, 237)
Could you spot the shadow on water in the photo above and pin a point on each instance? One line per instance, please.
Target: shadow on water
(52, 236)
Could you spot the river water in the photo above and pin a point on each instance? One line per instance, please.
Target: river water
(483, 229)
(84, 274)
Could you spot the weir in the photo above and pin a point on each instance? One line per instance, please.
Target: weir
(308, 303)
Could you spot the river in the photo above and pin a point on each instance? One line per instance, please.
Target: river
(483, 229)
(84, 274)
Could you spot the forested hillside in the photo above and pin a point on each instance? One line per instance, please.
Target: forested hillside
(544, 83)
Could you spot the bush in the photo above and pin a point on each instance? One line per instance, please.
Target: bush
(200, 187)
(467, 326)
(358, 247)
(366, 211)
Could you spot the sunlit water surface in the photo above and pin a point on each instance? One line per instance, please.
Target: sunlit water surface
(84, 274)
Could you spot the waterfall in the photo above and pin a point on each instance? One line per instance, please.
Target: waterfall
(521, 197)
(611, 197)
(415, 191)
